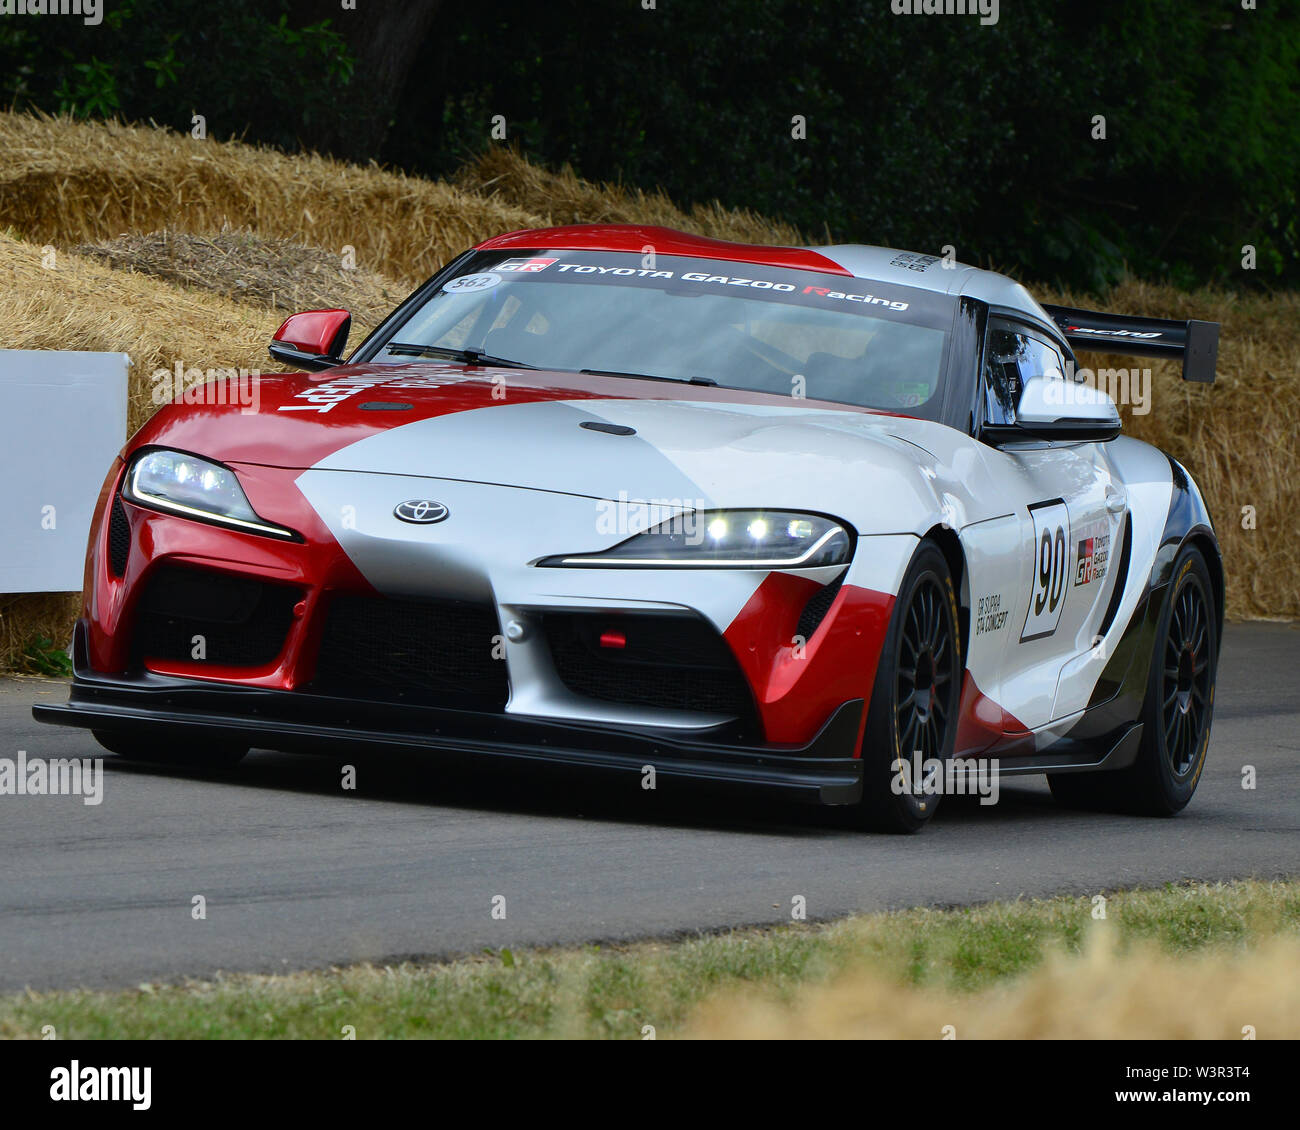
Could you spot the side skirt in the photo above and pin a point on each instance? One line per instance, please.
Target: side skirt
(1071, 756)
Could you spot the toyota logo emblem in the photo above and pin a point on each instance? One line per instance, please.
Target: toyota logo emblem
(420, 511)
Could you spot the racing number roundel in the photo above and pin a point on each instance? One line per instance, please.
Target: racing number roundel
(1051, 562)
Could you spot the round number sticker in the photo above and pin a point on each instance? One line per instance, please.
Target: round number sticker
(472, 282)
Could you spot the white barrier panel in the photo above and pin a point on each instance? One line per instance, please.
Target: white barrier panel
(62, 421)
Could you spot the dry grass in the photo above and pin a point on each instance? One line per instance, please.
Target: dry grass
(82, 304)
(29, 619)
(1099, 994)
(66, 183)
(565, 198)
(276, 273)
(252, 232)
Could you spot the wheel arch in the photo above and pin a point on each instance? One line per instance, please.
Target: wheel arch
(949, 543)
(1189, 515)
(1204, 540)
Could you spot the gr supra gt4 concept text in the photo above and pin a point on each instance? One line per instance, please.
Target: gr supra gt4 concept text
(610, 497)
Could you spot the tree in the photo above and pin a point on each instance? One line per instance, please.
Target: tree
(384, 39)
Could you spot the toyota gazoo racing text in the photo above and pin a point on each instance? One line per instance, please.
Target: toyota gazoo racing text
(612, 497)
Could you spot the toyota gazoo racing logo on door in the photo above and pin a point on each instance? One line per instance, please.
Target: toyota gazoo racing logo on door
(420, 511)
(1091, 559)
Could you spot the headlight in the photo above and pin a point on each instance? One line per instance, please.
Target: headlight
(729, 539)
(197, 488)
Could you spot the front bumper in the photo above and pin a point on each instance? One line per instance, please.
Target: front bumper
(167, 709)
(776, 679)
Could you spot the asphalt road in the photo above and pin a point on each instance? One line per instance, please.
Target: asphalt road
(296, 872)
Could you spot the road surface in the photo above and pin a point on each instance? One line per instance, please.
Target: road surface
(297, 872)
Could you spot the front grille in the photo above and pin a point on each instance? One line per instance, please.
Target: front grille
(197, 615)
(119, 537)
(814, 612)
(426, 653)
(671, 661)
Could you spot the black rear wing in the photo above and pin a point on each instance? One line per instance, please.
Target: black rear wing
(1196, 343)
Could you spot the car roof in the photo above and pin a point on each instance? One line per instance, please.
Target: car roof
(933, 273)
(879, 264)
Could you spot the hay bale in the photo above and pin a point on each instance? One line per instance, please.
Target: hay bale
(278, 274)
(564, 198)
(78, 303)
(66, 182)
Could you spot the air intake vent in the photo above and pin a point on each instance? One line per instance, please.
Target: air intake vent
(642, 659)
(119, 538)
(814, 612)
(242, 621)
(426, 653)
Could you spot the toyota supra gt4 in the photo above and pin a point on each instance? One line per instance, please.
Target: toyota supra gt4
(624, 499)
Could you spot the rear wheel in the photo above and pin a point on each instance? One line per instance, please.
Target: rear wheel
(1177, 712)
(914, 702)
(164, 748)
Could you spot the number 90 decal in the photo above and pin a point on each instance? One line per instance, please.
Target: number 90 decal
(1051, 561)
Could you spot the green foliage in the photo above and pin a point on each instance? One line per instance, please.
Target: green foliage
(922, 131)
(42, 656)
(240, 65)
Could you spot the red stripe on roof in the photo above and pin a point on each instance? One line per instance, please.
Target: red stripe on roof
(665, 241)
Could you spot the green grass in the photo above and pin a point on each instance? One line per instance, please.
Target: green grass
(612, 991)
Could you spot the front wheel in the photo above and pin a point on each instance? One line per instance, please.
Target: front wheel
(912, 724)
(1177, 712)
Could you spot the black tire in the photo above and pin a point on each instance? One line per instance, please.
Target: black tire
(165, 749)
(916, 695)
(1176, 713)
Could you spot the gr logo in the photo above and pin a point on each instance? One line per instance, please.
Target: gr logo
(524, 266)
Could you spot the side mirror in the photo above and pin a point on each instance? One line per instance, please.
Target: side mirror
(1054, 408)
(313, 340)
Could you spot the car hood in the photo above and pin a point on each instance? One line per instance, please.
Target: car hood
(599, 437)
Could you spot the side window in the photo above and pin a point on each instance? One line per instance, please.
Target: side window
(1011, 357)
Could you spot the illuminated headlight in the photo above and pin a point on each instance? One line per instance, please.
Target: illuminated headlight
(196, 488)
(732, 539)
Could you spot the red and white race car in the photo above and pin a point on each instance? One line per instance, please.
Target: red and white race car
(624, 498)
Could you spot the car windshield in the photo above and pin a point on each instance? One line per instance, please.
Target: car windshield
(764, 329)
